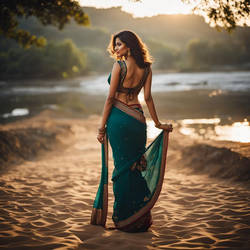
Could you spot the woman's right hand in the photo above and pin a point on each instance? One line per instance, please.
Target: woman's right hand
(166, 126)
(100, 137)
(101, 134)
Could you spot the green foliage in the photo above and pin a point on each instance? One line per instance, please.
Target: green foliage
(204, 53)
(53, 12)
(222, 13)
(198, 52)
(97, 59)
(52, 61)
(165, 57)
(166, 36)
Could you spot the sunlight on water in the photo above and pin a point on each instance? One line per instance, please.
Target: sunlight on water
(187, 131)
(215, 93)
(201, 121)
(16, 112)
(141, 98)
(152, 131)
(238, 131)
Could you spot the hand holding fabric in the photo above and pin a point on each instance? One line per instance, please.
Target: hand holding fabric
(165, 126)
(101, 134)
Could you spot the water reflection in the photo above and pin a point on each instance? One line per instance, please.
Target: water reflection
(211, 129)
(141, 98)
(152, 131)
(200, 121)
(16, 112)
(239, 131)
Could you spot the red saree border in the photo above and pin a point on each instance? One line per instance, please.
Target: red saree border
(130, 111)
(155, 196)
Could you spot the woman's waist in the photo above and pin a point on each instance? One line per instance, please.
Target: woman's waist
(135, 104)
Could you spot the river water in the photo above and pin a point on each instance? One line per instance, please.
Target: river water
(227, 81)
(212, 104)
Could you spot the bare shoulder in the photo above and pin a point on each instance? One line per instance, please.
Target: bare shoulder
(116, 68)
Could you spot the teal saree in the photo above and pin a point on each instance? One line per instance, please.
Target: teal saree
(138, 170)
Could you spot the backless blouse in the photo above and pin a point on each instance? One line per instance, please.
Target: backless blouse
(129, 91)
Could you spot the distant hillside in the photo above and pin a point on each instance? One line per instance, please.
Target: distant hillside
(174, 30)
(176, 42)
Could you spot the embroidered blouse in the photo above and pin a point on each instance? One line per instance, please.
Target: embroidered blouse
(129, 91)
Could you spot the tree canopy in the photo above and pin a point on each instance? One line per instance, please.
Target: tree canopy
(222, 13)
(178, 43)
(54, 12)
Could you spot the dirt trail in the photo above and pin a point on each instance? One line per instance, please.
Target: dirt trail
(46, 203)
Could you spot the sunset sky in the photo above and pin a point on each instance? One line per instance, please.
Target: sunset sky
(144, 8)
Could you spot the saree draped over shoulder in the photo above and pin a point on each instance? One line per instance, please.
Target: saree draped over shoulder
(138, 170)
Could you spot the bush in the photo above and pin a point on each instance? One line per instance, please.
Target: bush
(53, 61)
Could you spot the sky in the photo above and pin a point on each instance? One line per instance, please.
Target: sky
(148, 8)
(141, 9)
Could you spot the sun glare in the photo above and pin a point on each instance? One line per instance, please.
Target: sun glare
(152, 131)
(142, 8)
(201, 121)
(238, 131)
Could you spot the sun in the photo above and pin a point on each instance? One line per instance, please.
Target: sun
(145, 8)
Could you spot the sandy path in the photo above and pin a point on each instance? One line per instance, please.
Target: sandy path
(46, 204)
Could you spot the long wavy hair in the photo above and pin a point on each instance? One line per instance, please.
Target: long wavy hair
(138, 49)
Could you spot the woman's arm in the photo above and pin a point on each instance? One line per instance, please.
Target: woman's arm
(150, 103)
(115, 75)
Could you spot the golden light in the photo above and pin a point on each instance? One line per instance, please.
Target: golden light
(187, 131)
(200, 121)
(215, 93)
(238, 131)
(152, 131)
(141, 98)
(143, 8)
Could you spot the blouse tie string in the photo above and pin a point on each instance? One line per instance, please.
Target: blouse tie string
(130, 95)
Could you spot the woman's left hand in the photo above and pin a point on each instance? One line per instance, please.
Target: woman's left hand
(166, 126)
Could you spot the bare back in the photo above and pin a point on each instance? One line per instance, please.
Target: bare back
(132, 79)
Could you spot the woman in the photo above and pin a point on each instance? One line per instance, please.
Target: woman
(139, 171)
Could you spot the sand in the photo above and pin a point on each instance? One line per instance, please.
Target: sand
(46, 201)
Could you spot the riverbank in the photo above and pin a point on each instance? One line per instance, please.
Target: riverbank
(27, 138)
(225, 96)
(46, 200)
(9, 79)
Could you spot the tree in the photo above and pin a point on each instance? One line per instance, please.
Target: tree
(222, 13)
(54, 12)
(55, 60)
(198, 53)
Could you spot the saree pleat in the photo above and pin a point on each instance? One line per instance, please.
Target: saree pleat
(138, 170)
(100, 207)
